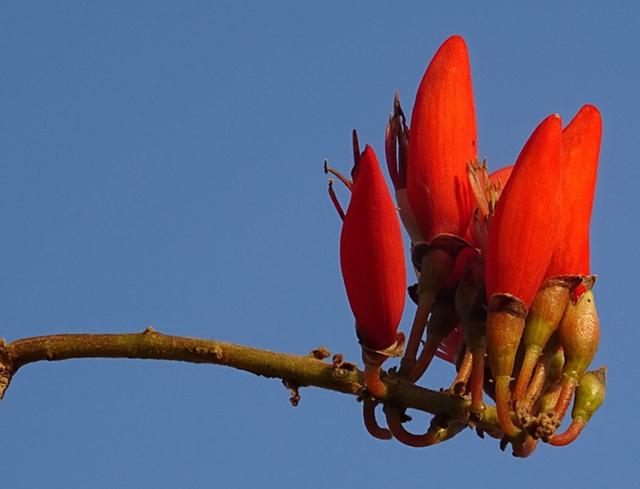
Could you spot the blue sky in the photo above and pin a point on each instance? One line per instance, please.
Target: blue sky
(161, 164)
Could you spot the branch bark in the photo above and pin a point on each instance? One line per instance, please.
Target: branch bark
(295, 370)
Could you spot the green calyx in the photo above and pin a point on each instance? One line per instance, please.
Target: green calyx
(590, 394)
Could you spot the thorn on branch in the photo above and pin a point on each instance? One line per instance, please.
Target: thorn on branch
(340, 367)
(320, 353)
(503, 443)
(338, 360)
(216, 352)
(295, 391)
(149, 330)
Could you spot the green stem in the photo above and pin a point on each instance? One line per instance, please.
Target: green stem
(295, 370)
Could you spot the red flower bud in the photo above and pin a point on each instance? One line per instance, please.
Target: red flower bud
(570, 260)
(521, 234)
(372, 257)
(442, 142)
(519, 251)
(581, 149)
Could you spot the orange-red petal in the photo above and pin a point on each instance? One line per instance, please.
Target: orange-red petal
(522, 233)
(501, 176)
(581, 150)
(372, 257)
(442, 142)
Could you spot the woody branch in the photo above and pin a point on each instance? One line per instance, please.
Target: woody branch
(296, 371)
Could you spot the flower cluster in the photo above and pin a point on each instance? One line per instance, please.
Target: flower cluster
(504, 287)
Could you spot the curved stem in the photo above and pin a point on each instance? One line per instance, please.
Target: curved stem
(525, 448)
(435, 265)
(335, 201)
(569, 385)
(424, 359)
(459, 384)
(418, 326)
(503, 401)
(477, 379)
(373, 382)
(369, 415)
(299, 370)
(526, 371)
(535, 386)
(573, 431)
(403, 436)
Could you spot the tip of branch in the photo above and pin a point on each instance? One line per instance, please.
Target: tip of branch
(6, 368)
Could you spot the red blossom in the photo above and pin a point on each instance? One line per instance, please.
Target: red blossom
(441, 144)
(581, 149)
(522, 232)
(521, 242)
(520, 236)
(372, 257)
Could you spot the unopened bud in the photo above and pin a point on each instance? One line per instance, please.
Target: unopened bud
(579, 335)
(590, 395)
